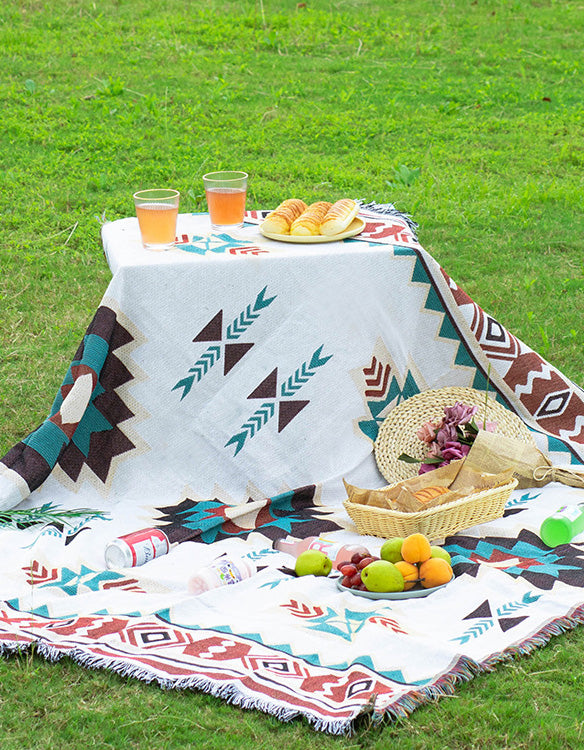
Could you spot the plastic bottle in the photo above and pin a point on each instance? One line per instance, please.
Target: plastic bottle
(560, 528)
(224, 571)
(336, 551)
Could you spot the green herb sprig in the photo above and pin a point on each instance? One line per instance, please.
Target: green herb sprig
(22, 518)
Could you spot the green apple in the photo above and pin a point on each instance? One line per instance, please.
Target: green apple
(439, 552)
(382, 577)
(391, 549)
(313, 562)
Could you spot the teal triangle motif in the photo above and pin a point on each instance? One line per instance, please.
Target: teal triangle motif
(397, 250)
(463, 357)
(433, 301)
(556, 445)
(370, 428)
(420, 274)
(376, 407)
(447, 330)
(410, 386)
(480, 381)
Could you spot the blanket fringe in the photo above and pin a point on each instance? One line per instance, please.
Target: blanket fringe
(463, 670)
(388, 209)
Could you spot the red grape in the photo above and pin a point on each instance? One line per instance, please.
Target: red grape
(355, 580)
(346, 582)
(364, 562)
(348, 569)
(355, 559)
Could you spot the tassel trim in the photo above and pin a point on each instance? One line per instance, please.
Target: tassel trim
(388, 209)
(464, 669)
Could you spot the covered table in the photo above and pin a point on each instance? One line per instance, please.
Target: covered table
(222, 393)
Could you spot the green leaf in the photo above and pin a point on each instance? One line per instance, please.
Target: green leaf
(408, 459)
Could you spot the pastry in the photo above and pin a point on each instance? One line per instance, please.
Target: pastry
(339, 217)
(309, 222)
(429, 493)
(280, 220)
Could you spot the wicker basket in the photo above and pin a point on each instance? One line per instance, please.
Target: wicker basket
(435, 523)
(397, 434)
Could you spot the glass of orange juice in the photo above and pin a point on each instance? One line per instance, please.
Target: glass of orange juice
(157, 212)
(225, 193)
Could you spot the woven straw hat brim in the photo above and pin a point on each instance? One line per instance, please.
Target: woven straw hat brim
(397, 433)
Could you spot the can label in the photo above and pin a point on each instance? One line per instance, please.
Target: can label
(140, 547)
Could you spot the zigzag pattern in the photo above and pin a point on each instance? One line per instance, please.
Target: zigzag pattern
(303, 373)
(202, 366)
(577, 429)
(253, 424)
(376, 378)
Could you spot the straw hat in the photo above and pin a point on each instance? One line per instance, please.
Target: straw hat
(397, 433)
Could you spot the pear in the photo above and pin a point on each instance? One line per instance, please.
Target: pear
(391, 549)
(440, 552)
(313, 562)
(382, 577)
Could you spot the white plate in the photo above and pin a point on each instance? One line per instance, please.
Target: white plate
(411, 594)
(356, 226)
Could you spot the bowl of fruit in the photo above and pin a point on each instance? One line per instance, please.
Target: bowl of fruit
(406, 568)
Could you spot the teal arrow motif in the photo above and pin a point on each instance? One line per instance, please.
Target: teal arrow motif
(242, 322)
(257, 420)
(303, 373)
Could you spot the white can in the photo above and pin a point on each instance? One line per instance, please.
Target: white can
(135, 549)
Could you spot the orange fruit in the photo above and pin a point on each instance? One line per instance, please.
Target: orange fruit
(435, 572)
(410, 573)
(416, 549)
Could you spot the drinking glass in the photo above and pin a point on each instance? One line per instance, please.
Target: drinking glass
(157, 211)
(225, 193)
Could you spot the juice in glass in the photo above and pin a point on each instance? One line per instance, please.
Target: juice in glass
(157, 212)
(226, 194)
(226, 205)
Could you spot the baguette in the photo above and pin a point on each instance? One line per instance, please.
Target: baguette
(280, 220)
(339, 217)
(309, 222)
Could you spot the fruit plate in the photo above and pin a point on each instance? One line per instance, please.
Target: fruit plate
(356, 226)
(411, 594)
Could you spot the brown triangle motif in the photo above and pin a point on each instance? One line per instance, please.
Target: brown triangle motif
(213, 331)
(483, 610)
(288, 410)
(233, 353)
(268, 388)
(506, 623)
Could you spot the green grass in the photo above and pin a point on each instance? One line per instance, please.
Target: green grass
(481, 101)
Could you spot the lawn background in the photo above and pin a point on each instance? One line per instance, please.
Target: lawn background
(468, 115)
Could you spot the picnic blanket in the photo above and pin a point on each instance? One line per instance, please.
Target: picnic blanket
(222, 393)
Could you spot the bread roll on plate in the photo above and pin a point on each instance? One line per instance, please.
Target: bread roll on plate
(339, 217)
(280, 220)
(309, 222)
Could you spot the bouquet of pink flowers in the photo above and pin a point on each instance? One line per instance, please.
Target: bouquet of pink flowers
(450, 439)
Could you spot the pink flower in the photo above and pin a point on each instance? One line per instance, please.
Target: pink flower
(453, 451)
(427, 432)
(459, 413)
(425, 468)
(434, 450)
(446, 434)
